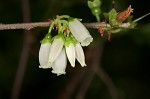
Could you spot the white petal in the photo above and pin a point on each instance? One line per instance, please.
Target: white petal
(59, 65)
(44, 55)
(55, 49)
(70, 50)
(87, 41)
(80, 54)
(80, 32)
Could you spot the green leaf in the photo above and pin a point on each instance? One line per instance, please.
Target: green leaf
(97, 3)
(112, 14)
(129, 19)
(95, 8)
(90, 4)
(106, 15)
(94, 4)
(112, 18)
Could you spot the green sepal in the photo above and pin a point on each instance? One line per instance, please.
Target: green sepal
(64, 16)
(71, 19)
(60, 35)
(112, 18)
(47, 39)
(48, 36)
(74, 40)
(68, 41)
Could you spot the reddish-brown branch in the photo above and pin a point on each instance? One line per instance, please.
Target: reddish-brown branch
(28, 26)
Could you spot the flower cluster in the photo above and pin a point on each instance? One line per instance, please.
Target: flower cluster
(67, 44)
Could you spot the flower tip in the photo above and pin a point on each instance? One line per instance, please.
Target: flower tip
(58, 73)
(40, 66)
(44, 67)
(73, 65)
(87, 41)
(83, 65)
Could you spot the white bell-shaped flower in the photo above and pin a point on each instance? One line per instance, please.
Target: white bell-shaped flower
(56, 48)
(59, 65)
(70, 51)
(80, 54)
(80, 32)
(44, 53)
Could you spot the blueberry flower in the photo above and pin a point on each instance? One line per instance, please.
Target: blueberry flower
(59, 65)
(80, 32)
(44, 53)
(56, 48)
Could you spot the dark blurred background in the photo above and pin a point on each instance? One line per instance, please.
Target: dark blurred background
(125, 58)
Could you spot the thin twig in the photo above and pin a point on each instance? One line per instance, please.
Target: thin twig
(26, 26)
(105, 77)
(85, 84)
(108, 82)
(29, 26)
(97, 69)
(71, 85)
(24, 54)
